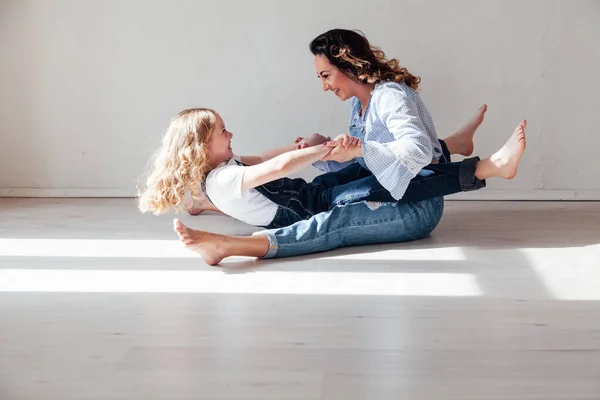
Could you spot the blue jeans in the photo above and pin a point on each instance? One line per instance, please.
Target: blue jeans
(299, 200)
(435, 180)
(355, 224)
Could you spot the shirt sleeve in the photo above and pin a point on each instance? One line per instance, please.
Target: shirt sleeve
(226, 181)
(395, 163)
(331, 166)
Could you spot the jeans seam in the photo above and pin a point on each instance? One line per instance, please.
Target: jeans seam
(301, 206)
(277, 213)
(438, 208)
(429, 179)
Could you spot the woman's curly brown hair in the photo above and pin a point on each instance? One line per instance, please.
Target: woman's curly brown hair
(351, 53)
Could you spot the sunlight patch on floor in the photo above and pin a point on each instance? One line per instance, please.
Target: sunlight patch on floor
(259, 282)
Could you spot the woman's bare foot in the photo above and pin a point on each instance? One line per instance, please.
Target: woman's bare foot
(210, 246)
(461, 141)
(504, 163)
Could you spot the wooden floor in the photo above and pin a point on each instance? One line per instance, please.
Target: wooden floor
(100, 302)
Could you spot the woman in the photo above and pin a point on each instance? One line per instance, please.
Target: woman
(398, 141)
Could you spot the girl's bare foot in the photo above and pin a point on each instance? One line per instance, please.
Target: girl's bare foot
(461, 141)
(504, 163)
(200, 204)
(210, 246)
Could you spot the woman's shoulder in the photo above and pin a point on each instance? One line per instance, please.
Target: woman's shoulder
(388, 92)
(391, 87)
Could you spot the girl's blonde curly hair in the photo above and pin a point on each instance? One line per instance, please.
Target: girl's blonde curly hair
(350, 52)
(181, 162)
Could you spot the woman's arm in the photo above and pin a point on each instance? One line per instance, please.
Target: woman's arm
(396, 162)
(411, 147)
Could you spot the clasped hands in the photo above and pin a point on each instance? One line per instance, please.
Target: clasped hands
(344, 147)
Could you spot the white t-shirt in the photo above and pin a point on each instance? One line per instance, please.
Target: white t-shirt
(224, 188)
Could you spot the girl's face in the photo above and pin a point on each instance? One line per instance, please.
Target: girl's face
(333, 79)
(219, 144)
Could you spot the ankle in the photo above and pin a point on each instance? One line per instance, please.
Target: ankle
(450, 144)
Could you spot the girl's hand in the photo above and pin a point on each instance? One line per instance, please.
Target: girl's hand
(314, 140)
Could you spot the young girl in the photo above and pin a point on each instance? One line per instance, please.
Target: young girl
(196, 150)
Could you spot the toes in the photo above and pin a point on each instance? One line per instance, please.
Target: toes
(179, 226)
(184, 238)
(182, 232)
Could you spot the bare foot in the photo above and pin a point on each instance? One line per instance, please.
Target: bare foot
(505, 161)
(208, 245)
(461, 141)
(198, 205)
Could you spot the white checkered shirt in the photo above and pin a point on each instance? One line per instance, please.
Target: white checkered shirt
(399, 136)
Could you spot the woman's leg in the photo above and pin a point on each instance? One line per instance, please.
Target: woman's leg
(436, 179)
(341, 177)
(350, 225)
(430, 182)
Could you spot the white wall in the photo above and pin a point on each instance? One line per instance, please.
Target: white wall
(87, 87)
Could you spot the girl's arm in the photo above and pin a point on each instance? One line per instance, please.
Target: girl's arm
(281, 166)
(267, 155)
(313, 140)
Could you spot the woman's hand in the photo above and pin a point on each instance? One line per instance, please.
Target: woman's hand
(349, 142)
(340, 153)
